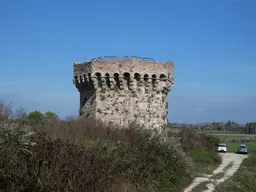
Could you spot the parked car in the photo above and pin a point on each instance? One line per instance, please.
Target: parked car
(242, 149)
(222, 147)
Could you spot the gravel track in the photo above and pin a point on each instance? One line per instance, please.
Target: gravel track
(227, 158)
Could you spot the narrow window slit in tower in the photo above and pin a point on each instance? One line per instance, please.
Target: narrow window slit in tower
(116, 78)
(98, 76)
(127, 79)
(107, 80)
(146, 77)
(137, 76)
(153, 80)
(76, 79)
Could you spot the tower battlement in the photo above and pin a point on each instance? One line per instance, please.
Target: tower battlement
(124, 90)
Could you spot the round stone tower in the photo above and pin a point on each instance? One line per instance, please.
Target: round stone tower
(122, 90)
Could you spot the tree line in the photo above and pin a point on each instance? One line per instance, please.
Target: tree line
(250, 128)
(230, 126)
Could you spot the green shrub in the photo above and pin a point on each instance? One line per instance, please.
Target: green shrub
(102, 158)
(77, 155)
(35, 117)
(201, 148)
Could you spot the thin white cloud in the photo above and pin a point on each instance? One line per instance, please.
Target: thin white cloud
(10, 82)
(204, 108)
(223, 99)
(200, 109)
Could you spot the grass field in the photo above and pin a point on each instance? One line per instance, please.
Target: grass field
(232, 146)
(223, 137)
(233, 141)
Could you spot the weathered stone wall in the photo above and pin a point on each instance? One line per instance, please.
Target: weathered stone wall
(124, 91)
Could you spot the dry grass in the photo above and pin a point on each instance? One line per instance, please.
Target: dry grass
(77, 155)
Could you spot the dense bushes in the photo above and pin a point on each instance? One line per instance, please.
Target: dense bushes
(99, 159)
(79, 156)
(201, 148)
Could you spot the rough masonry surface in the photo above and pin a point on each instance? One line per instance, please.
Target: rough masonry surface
(123, 91)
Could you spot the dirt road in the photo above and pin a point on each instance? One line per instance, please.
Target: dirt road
(230, 163)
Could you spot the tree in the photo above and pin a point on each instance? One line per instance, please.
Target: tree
(51, 116)
(5, 111)
(232, 126)
(229, 125)
(20, 113)
(250, 128)
(35, 117)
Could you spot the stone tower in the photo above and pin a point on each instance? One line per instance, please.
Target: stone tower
(122, 90)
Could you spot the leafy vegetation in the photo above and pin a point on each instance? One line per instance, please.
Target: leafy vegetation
(51, 116)
(76, 155)
(35, 117)
(201, 148)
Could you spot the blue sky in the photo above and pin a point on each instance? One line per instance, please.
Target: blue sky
(211, 42)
